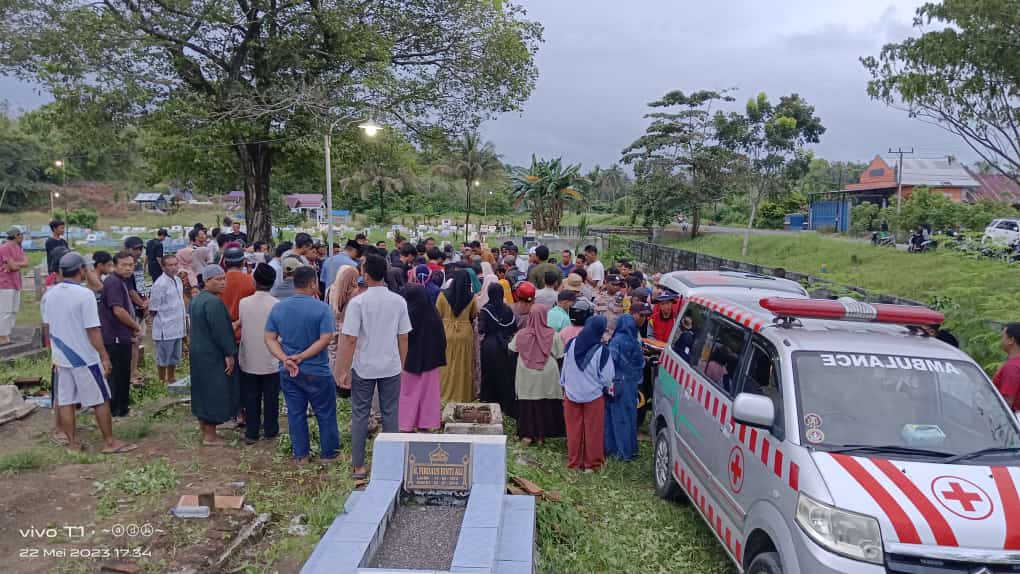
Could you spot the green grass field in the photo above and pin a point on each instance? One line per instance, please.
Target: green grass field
(977, 295)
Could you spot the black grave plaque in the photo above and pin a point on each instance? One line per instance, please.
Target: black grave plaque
(443, 466)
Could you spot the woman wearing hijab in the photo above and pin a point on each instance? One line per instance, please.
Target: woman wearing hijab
(488, 278)
(424, 276)
(537, 380)
(458, 309)
(587, 375)
(621, 408)
(426, 353)
(339, 295)
(476, 284)
(496, 326)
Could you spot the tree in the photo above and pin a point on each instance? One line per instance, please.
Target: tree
(387, 171)
(252, 73)
(546, 188)
(771, 138)
(608, 184)
(22, 161)
(961, 76)
(678, 162)
(473, 162)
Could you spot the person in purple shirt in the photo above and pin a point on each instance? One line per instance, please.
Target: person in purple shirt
(119, 326)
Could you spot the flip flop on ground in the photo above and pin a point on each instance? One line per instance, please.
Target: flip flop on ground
(119, 449)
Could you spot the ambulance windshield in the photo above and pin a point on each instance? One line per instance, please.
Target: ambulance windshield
(888, 400)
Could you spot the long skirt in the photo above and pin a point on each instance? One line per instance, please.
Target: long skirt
(498, 366)
(621, 421)
(419, 401)
(540, 419)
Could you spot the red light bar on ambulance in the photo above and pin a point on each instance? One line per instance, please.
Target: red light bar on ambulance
(847, 309)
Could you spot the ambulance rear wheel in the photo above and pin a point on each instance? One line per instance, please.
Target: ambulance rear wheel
(666, 487)
(766, 563)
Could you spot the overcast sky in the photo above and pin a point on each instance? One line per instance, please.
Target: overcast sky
(604, 60)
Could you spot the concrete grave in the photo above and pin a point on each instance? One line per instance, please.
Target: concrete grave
(472, 418)
(494, 533)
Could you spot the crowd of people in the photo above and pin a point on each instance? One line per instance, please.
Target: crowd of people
(554, 340)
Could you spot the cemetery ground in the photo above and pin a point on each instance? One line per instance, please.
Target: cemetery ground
(603, 522)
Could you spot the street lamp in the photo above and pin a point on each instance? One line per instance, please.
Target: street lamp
(371, 129)
(59, 164)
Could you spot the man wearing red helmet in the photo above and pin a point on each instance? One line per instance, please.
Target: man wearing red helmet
(525, 298)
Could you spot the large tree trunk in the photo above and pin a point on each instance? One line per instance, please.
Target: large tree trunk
(695, 223)
(256, 167)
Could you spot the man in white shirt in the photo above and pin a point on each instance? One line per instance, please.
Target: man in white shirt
(166, 304)
(596, 271)
(260, 370)
(71, 316)
(375, 330)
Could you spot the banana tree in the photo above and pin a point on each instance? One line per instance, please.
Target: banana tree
(547, 188)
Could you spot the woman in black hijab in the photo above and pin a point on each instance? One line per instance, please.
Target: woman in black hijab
(457, 308)
(426, 353)
(497, 325)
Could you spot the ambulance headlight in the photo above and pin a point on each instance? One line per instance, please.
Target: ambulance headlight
(853, 535)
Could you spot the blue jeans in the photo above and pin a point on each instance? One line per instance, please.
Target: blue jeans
(298, 392)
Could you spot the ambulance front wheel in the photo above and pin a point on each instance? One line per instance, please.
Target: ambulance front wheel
(666, 487)
(766, 563)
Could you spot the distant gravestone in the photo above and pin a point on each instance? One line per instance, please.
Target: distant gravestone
(432, 467)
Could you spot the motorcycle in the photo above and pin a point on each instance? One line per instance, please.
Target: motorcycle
(882, 239)
(919, 243)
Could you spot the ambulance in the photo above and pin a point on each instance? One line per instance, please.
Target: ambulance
(832, 436)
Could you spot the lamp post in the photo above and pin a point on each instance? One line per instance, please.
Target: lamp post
(59, 164)
(371, 129)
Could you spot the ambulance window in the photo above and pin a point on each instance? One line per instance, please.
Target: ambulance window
(762, 378)
(686, 333)
(719, 356)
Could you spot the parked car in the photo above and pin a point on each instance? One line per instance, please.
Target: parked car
(1003, 231)
(831, 436)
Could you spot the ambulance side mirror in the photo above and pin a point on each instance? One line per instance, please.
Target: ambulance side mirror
(754, 410)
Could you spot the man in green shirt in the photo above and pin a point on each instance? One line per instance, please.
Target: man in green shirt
(537, 273)
(559, 315)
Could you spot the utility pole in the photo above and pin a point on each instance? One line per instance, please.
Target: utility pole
(899, 176)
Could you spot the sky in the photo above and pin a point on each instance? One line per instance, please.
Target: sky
(602, 61)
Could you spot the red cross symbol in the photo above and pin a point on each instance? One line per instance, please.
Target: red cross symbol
(962, 497)
(957, 493)
(736, 468)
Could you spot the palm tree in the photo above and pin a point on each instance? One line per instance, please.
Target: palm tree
(471, 161)
(381, 179)
(547, 187)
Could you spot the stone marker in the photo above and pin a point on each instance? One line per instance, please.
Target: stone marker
(472, 418)
(12, 405)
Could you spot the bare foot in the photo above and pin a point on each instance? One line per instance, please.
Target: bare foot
(301, 461)
(213, 442)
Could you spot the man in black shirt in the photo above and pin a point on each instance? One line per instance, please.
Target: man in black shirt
(55, 240)
(154, 254)
(236, 234)
(399, 242)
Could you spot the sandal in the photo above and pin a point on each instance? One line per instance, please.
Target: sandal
(120, 449)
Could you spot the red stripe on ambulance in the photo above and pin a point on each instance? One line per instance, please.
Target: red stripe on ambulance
(1010, 506)
(938, 524)
(905, 530)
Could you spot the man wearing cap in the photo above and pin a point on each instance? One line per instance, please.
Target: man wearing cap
(608, 304)
(559, 314)
(663, 316)
(215, 392)
(12, 261)
(139, 292)
(70, 315)
(154, 254)
(641, 311)
(120, 326)
(166, 305)
(239, 285)
(285, 288)
(260, 371)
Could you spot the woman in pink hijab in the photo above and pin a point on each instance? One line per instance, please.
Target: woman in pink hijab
(539, 395)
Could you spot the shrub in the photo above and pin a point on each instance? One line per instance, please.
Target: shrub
(83, 217)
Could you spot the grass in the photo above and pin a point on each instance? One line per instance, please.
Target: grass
(977, 295)
(15, 462)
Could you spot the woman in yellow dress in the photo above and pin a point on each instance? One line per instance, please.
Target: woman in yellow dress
(458, 309)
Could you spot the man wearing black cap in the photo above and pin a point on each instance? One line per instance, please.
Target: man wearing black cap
(239, 284)
(70, 315)
(154, 254)
(641, 311)
(12, 261)
(260, 374)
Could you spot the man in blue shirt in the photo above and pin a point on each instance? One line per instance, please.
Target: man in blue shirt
(298, 331)
(349, 256)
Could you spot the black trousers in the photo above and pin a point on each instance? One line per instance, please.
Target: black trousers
(120, 378)
(260, 395)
